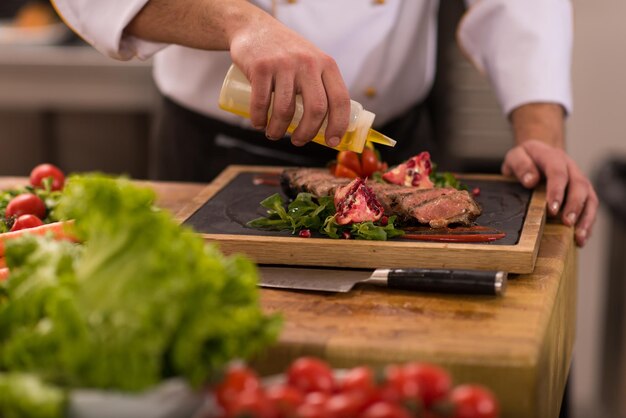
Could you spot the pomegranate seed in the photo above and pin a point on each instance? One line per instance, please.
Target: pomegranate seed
(305, 233)
(384, 220)
(346, 235)
(476, 191)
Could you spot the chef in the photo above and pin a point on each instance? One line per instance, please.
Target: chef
(380, 53)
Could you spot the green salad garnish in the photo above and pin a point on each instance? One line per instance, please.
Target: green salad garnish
(318, 214)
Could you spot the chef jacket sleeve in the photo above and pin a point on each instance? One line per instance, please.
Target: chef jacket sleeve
(101, 23)
(524, 46)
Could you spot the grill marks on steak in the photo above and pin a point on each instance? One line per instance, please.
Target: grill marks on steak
(437, 207)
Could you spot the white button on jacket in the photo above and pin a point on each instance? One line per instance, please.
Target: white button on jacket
(523, 46)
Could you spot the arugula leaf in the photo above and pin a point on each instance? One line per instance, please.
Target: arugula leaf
(309, 212)
(445, 179)
(363, 230)
(304, 212)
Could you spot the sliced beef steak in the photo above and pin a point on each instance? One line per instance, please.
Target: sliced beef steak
(437, 207)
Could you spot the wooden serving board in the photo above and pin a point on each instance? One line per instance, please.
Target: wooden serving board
(220, 213)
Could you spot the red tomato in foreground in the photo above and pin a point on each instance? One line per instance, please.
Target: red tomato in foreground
(285, 398)
(251, 404)
(346, 404)
(433, 382)
(385, 410)
(43, 171)
(399, 387)
(309, 374)
(25, 222)
(26, 204)
(238, 380)
(359, 379)
(474, 401)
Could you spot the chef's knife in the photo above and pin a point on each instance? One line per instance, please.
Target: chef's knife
(477, 282)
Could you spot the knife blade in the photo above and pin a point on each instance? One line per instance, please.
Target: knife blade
(479, 282)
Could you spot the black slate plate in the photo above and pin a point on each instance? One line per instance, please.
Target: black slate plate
(504, 207)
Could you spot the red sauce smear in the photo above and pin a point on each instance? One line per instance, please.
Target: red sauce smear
(476, 233)
(269, 179)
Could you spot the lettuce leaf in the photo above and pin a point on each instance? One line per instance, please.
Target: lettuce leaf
(141, 300)
(26, 396)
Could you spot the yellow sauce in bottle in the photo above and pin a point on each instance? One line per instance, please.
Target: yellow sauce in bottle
(235, 98)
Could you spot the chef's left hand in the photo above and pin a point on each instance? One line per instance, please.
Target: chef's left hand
(538, 129)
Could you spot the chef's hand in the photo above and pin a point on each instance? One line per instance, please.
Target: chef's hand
(273, 57)
(278, 60)
(538, 129)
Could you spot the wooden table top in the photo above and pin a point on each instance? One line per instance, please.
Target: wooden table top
(519, 345)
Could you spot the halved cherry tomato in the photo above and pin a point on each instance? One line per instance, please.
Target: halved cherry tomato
(350, 160)
(343, 171)
(26, 204)
(25, 222)
(238, 380)
(43, 171)
(474, 401)
(309, 374)
(369, 162)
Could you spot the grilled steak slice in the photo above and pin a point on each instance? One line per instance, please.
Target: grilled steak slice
(316, 181)
(437, 207)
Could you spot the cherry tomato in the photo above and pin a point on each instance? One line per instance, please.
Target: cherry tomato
(346, 404)
(474, 401)
(398, 387)
(238, 380)
(26, 204)
(43, 171)
(343, 171)
(316, 398)
(359, 379)
(309, 374)
(25, 222)
(350, 160)
(286, 399)
(385, 410)
(307, 410)
(251, 404)
(434, 382)
(369, 162)
(304, 233)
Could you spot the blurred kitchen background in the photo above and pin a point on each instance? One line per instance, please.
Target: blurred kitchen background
(62, 102)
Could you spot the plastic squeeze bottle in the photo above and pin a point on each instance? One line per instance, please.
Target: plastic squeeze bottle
(235, 98)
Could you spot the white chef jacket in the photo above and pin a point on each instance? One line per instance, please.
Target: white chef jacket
(386, 50)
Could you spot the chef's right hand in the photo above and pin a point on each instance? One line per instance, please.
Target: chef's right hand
(277, 60)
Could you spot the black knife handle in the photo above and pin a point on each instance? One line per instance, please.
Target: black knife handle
(477, 282)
